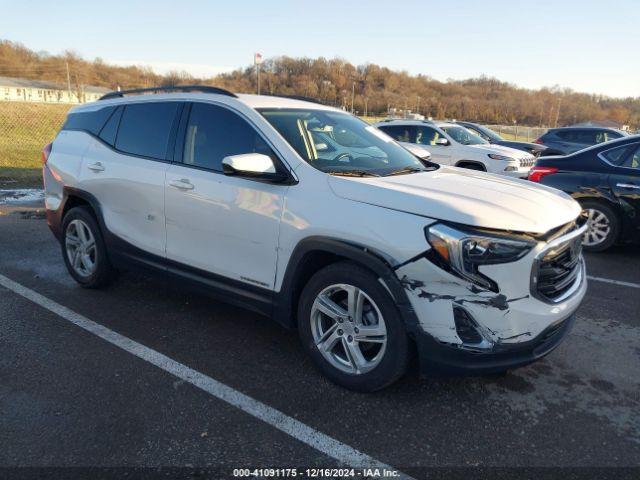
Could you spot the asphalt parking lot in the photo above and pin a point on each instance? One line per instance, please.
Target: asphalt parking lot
(72, 394)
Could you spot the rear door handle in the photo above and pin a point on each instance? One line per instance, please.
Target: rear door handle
(182, 184)
(96, 167)
(628, 185)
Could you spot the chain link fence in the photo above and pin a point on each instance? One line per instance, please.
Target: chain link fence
(518, 132)
(24, 129)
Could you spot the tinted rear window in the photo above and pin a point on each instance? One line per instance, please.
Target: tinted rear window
(109, 131)
(92, 121)
(145, 129)
(401, 133)
(616, 155)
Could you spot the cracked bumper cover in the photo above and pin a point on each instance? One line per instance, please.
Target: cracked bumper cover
(437, 358)
(518, 326)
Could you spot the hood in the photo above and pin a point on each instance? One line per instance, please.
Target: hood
(500, 150)
(466, 197)
(519, 145)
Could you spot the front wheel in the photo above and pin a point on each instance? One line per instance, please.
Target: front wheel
(351, 328)
(602, 227)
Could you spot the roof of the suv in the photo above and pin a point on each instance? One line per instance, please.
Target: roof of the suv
(598, 129)
(252, 101)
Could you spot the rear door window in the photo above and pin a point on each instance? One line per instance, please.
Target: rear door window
(214, 133)
(633, 160)
(145, 129)
(616, 156)
(109, 131)
(400, 133)
(428, 136)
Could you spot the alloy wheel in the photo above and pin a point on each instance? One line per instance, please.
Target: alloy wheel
(348, 329)
(598, 228)
(80, 246)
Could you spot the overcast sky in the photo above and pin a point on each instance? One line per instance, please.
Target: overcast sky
(587, 45)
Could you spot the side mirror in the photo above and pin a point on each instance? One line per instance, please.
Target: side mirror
(252, 165)
(442, 141)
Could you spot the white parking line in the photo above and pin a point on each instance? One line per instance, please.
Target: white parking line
(341, 452)
(614, 282)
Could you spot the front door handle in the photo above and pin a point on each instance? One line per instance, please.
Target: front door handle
(96, 167)
(182, 184)
(628, 185)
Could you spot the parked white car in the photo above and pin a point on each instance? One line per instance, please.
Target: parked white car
(361, 247)
(452, 144)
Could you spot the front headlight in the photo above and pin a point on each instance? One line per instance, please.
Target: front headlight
(463, 252)
(495, 156)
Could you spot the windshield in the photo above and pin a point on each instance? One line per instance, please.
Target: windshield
(463, 136)
(341, 144)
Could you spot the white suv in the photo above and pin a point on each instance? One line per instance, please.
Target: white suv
(369, 252)
(452, 144)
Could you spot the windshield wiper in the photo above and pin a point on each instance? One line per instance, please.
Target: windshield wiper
(352, 173)
(406, 170)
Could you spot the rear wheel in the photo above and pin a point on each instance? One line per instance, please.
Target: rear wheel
(472, 166)
(603, 226)
(351, 328)
(83, 249)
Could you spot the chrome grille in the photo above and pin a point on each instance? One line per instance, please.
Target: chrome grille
(527, 161)
(558, 269)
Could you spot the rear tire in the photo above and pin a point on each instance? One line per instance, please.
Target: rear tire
(366, 347)
(83, 249)
(603, 226)
(472, 166)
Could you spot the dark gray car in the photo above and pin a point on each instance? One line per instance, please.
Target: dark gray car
(562, 141)
(494, 138)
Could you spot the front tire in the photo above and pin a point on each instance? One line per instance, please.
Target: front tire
(351, 328)
(83, 249)
(603, 227)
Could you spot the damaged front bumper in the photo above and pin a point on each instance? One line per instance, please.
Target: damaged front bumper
(437, 358)
(462, 328)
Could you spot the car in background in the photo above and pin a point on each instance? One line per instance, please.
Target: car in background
(451, 144)
(495, 139)
(565, 140)
(605, 180)
(328, 141)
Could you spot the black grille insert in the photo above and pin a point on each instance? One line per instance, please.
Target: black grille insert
(558, 270)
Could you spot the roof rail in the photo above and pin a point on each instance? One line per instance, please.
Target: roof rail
(178, 88)
(295, 97)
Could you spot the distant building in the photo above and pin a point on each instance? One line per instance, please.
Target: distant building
(38, 91)
(395, 113)
(603, 124)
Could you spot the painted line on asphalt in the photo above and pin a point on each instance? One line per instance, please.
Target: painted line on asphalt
(341, 452)
(614, 282)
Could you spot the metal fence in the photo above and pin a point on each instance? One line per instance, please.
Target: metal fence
(24, 129)
(518, 132)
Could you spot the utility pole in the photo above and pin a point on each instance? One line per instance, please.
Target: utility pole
(418, 105)
(257, 60)
(558, 111)
(353, 95)
(68, 80)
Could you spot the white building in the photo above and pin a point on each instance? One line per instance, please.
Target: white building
(38, 91)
